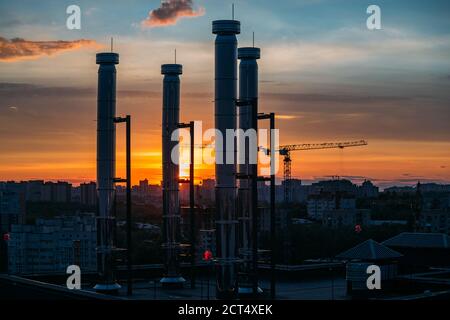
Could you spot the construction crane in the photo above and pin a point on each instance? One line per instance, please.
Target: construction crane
(286, 150)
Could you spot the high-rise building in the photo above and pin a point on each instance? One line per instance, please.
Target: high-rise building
(143, 188)
(40, 191)
(12, 206)
(318, 205)
(88, 194)
(51, 245)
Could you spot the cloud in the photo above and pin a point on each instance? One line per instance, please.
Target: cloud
(286, 117)
(170, 11)
(20, 49)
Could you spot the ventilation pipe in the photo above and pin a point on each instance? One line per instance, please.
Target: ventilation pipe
(171, 204)
(106, 170)
(225, 118)
(247, 197)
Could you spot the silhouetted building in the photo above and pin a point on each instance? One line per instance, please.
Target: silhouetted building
(281, 219)
(435, 221)
(337, 218)
(51, 245)
(12, 206)
(400, 190)
(88, 194)
(342, 186)
(421, 250)
(206, 191)
(143, 188)
(368, 190)
(322, 203)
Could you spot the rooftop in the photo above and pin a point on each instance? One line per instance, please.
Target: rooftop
(419, 240)
(370, 250)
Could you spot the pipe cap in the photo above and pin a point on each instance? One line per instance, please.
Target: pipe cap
(226, 27)
(107, 58)
(249, 53)
(172, 69)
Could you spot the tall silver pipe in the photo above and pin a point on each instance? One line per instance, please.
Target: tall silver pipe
(106, 169)
(225, 118)
(248, 91)
(171, 204)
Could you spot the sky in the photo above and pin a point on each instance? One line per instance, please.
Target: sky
(323, 72)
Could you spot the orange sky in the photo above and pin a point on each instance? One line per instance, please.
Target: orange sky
(332, 82)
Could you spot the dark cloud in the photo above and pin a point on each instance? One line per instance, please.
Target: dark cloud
(170, 11)
(10, 22)
(19, 49)
(14, 90)
(25, 89)
(307, 97)
(325, 116)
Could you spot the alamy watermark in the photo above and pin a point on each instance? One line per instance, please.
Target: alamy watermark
(237, 147)
(374, 20)
(73, 21)
(74, 280)
(374, 280)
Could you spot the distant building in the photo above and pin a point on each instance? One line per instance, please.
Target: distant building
(12, 206)
(368, 190)
(320, 204)
(435, 221)
(61, 192)
(155, 193)
(346, 218)
(400, 190)
(434, 214)
(281, 219)
(434, 187)
(143, 189)
(206, 191)
(51, 245)
(33, 190)
(88, 194)
(421, 250)
(184, 193)
(379, 223)
(40, 191)
(299, 192)
(342, 186)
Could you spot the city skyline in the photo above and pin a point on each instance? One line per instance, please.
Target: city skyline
(339, 82)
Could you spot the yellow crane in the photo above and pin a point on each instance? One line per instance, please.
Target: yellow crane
(286, 150)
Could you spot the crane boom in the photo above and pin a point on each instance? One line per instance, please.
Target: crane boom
(318, 146)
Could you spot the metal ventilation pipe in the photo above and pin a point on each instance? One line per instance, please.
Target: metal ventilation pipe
(247, 197)
(171, 204)
(106, 169)
(225, 118)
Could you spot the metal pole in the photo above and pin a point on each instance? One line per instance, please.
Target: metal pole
(272, 207)
(207, 280)
(129, 222)
(192, 203)
(254, 190)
